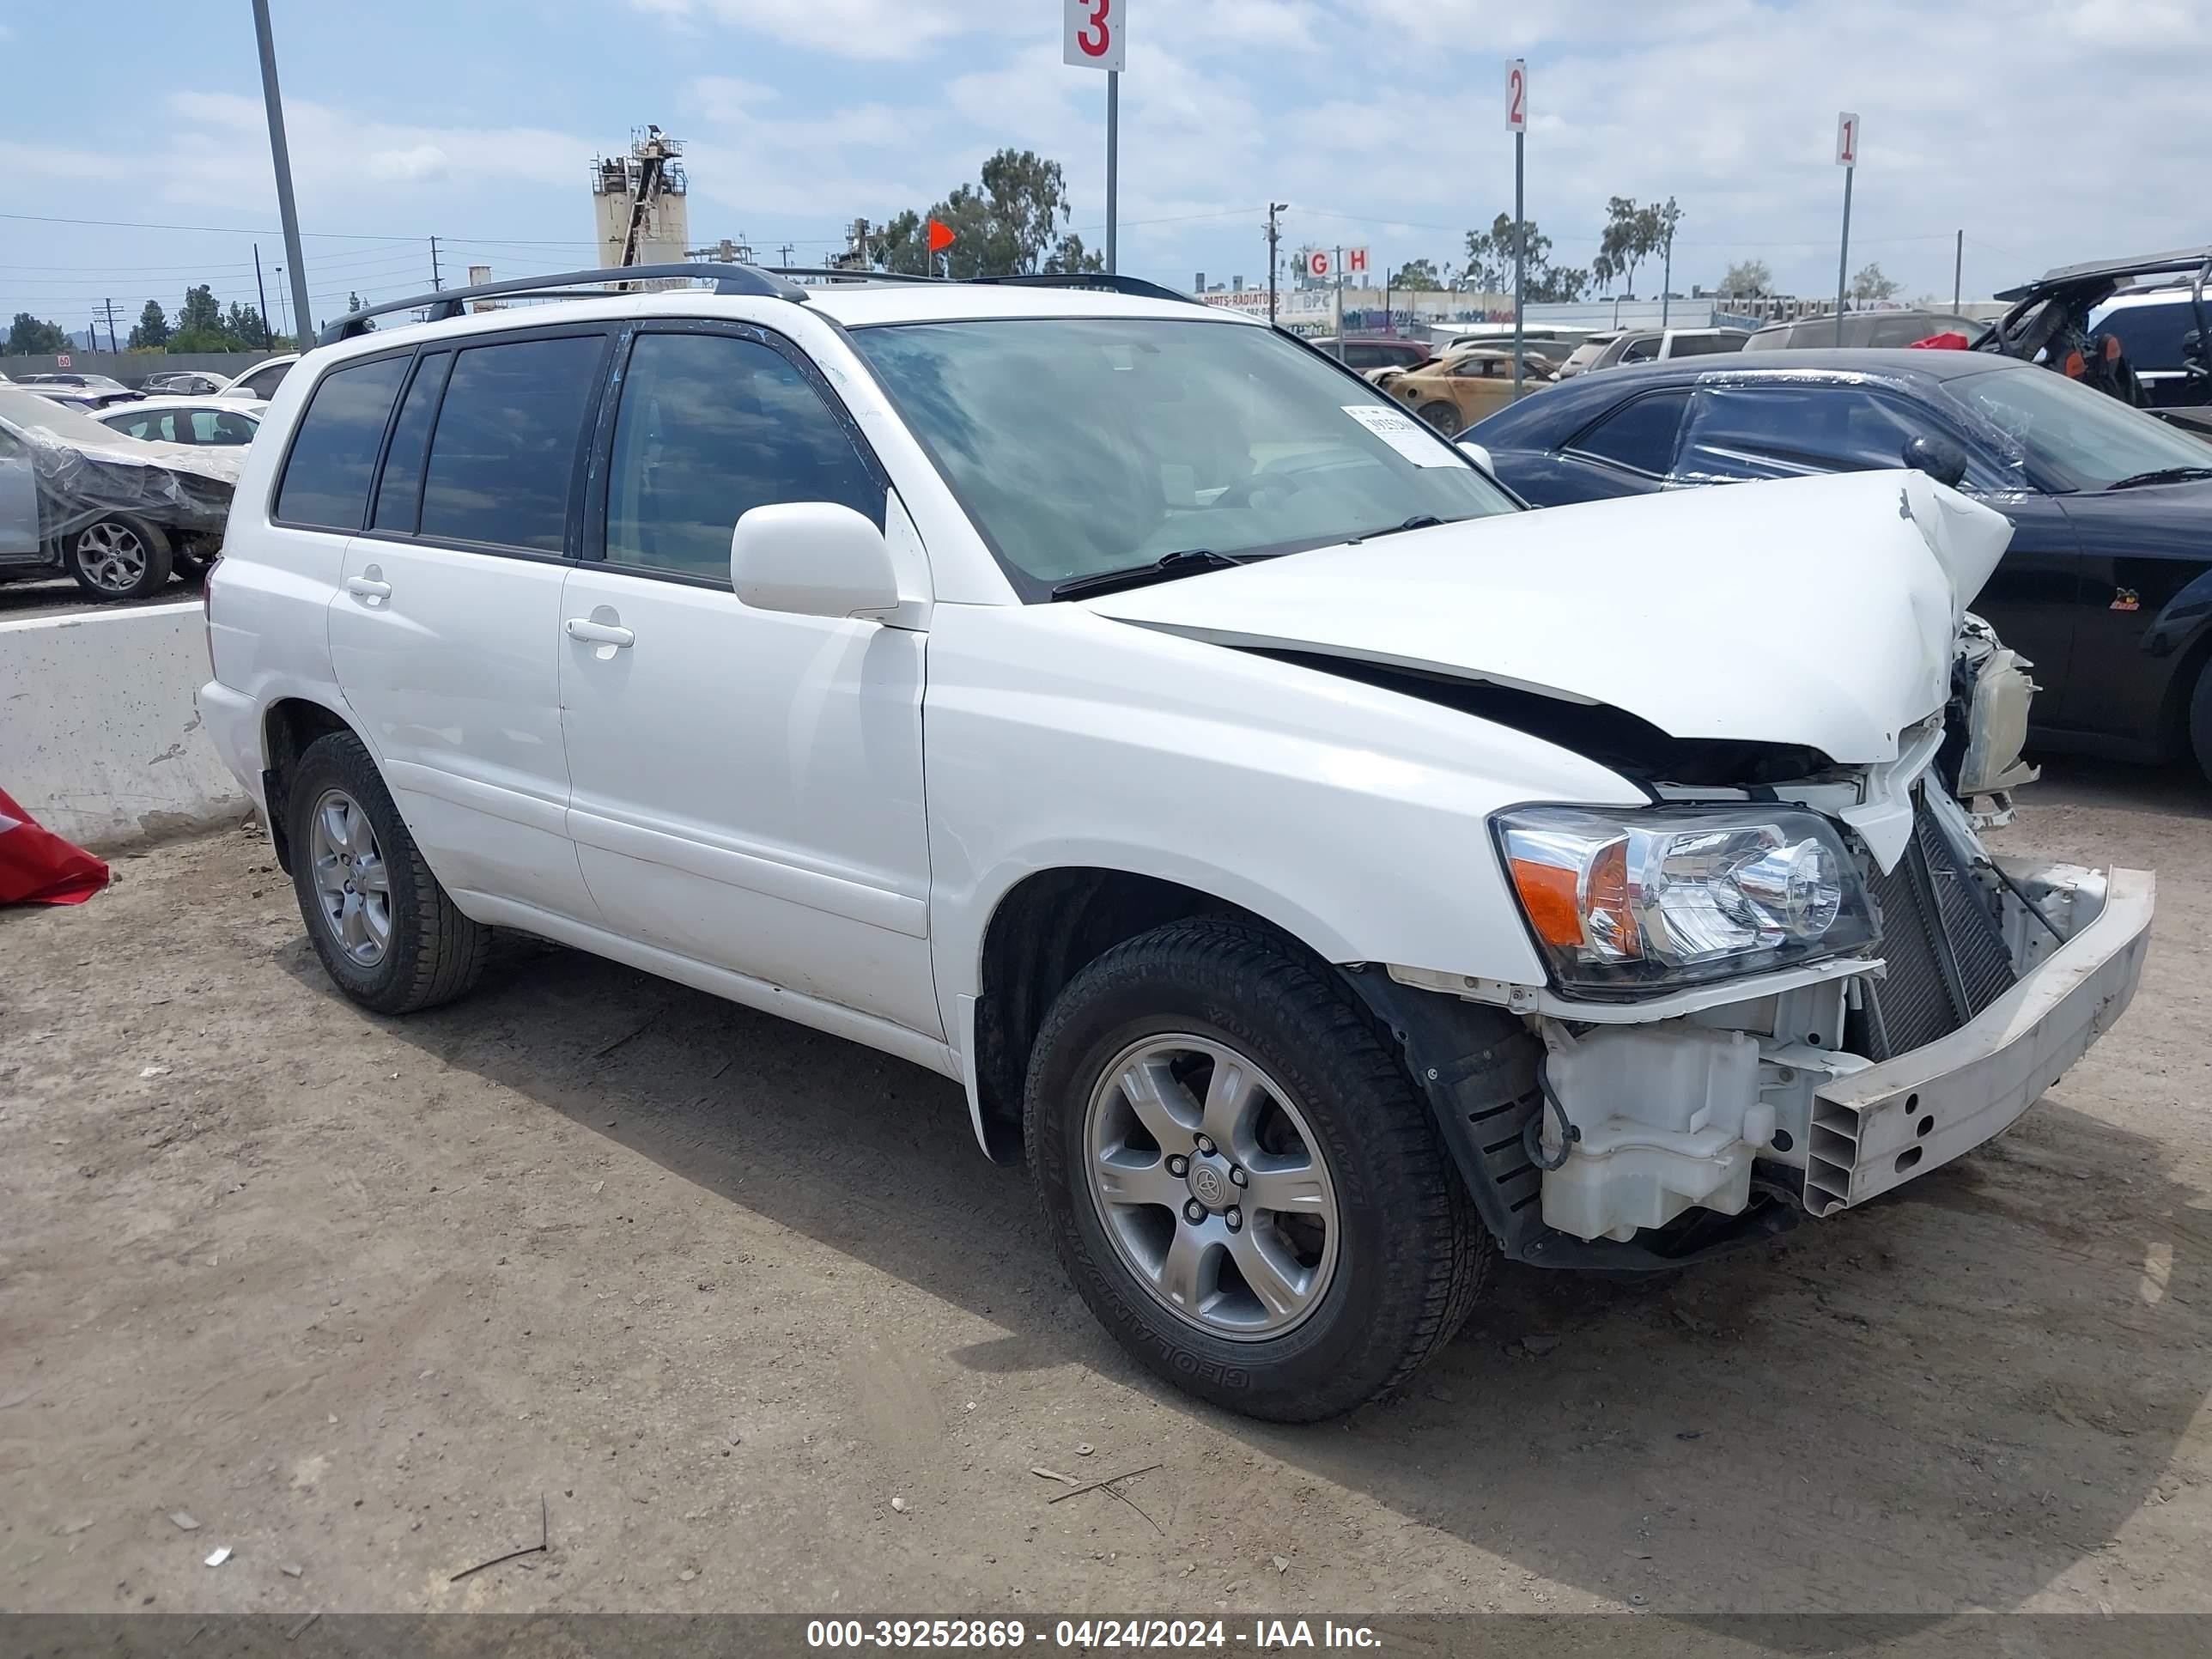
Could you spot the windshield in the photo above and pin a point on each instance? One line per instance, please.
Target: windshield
(2082, 439)
(1081, 445)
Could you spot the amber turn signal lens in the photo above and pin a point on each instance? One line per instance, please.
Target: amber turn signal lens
(1548, 894)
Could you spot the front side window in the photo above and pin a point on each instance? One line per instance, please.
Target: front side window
(263, 382)
(1776, 432)
(503, 456)
(220, 426)
(711, 425)
(2078, 438)
(1084, 445)
(326, 483)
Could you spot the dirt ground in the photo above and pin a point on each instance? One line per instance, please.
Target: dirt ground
(352, 1296)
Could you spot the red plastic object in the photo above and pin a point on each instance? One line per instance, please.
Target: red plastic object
(1952, 340)
(37, 867)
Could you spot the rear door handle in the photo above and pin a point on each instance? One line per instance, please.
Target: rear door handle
(368, 589)
(598, 633)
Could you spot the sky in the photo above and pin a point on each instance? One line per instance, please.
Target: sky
(2048, 131)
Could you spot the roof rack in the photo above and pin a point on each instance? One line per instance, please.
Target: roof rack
(849, 274)
(1101, 282)
(447, 303)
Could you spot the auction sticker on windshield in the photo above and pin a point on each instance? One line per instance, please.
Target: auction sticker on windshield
(1416, 442)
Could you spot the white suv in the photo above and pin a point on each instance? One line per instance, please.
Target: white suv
(1330, 875)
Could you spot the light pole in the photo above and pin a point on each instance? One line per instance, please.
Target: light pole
(281, 156)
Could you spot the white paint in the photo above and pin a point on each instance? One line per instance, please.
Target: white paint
(1609, 602)
(98, 737)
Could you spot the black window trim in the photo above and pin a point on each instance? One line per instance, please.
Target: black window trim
(453, 345)
(593, 541)
(391, 430)
(292, 442)
(1684, 390)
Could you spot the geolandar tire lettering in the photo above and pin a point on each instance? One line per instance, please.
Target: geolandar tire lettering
(386, 931)
(1197, 1097)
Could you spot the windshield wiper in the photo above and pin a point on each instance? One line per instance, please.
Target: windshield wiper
(2162, 475)
(1419, 521)
(1188, 562)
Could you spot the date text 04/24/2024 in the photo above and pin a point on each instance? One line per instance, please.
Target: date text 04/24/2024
(1090, 1635)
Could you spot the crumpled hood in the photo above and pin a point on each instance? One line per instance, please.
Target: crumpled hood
(1815, 611)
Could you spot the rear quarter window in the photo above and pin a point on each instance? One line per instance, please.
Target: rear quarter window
(326, 476)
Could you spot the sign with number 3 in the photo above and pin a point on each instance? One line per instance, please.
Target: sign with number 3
(1093, 36)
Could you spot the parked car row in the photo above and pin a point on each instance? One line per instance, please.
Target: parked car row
(2107, 587)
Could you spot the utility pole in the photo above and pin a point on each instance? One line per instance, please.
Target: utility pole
(437, 279)
(1340, 303)
(1113, 161)
(280, 155)
(1958, 266)
(261, 288)
(108, 306)
(785, 252)
(1274, 235)
(280, 300)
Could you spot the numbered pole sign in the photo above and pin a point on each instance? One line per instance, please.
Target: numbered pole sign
(1516, 95)
(1847, 139)
(1092, 36)
(1355, 262)
(1319, 265)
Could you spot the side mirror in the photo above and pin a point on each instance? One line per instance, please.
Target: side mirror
(1479, 455)
(1939, 458)
(812, 559)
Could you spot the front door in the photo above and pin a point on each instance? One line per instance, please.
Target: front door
(445, 631)
(746, 784)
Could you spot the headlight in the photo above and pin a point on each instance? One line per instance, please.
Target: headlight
(1629, 900)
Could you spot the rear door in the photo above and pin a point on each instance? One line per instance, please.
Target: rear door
(747, 783)
(446, 629)
(1627, 450)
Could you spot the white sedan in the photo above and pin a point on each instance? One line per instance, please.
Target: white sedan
(198, 421)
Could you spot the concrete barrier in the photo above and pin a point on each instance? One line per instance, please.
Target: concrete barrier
(98, 737)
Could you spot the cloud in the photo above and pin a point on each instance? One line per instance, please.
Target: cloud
(842, 28)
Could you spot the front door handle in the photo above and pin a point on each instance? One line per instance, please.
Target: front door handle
(599, 633)
(367, 588)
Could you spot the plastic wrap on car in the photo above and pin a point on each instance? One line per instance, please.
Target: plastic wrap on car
(82, 478)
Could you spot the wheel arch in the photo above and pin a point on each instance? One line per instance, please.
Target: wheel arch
(288, 725)
(1046, 927)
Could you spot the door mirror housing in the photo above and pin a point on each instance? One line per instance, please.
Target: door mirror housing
(1939, 458)
(1479, 456)
(812, 559)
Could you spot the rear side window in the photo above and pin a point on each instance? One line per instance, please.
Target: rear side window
(711, 425)
(263, 382)
(1639, 435)
(326, 483)
(2151, 335)
(503, 457)
(220, 426)
(399, 495)
(1703, 345)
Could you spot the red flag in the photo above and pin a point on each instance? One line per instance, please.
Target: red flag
(38, 867)
(940, 237)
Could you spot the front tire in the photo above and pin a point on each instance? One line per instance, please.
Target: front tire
(1239, 1177)
(387, 933)
(117, 558)
(1443, 415)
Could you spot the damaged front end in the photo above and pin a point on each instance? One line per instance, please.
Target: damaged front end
(1663, 1121)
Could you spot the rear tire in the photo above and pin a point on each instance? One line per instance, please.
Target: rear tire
(1405, 1255)
(117, 558)
(1442, 416)
(388, 934)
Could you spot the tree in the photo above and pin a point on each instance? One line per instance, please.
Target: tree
(153, 330)
(200, 311)
(29, 337)
(1871, 284)
(1665, 217)
(1013, 220)
(1747, 279)
(1069, 256)
(1632, 235)
(1418, 276)
(243, 323)
(1490, 264)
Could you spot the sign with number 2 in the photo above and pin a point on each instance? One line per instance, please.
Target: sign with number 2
(1093, 33)
(1516, 95)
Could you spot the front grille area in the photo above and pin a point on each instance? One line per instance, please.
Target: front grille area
(1948, 959)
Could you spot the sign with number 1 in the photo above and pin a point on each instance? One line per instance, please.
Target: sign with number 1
(1092, 37)
(1847, 139)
